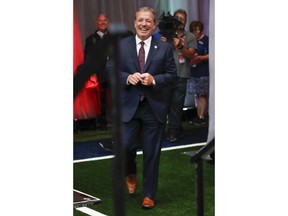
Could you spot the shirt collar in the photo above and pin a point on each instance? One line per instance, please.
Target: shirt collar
(101, 34)
(147, 41)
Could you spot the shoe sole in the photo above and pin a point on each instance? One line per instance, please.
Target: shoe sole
(147, 207)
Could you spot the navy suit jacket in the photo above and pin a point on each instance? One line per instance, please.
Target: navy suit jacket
(160, 64)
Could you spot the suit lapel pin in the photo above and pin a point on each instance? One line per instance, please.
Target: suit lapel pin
(155, 47)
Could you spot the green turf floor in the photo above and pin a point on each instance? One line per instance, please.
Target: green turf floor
(176, 189)
(88, 135)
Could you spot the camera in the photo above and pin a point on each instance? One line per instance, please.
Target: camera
(168, 25)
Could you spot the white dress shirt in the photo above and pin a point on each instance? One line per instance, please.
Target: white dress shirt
(146, 45)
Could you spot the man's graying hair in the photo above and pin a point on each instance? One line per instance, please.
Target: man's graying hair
(146, 9)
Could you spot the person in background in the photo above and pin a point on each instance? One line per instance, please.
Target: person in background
(200, 72)
(147, 70)
(97, 39)
(184, 44)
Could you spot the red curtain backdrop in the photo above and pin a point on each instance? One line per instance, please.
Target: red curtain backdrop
(86, 103)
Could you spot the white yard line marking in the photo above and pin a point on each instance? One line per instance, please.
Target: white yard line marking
(140, 152)
(93, 159)
(85, 194)
(89, 211)
(183, 146)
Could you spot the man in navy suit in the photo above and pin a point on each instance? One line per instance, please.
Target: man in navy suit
(147, 71)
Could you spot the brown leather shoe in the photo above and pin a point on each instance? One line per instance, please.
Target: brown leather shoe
(131, 183)
(148, 203)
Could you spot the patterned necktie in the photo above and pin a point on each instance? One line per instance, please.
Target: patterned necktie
(141, 57)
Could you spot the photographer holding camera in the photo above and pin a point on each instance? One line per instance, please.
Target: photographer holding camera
(172, 30)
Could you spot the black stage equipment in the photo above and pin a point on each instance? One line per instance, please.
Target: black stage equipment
(84, 71)
(207, 149)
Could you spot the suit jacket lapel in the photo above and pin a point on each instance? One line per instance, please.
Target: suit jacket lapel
(133, 52)
(152, 52)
